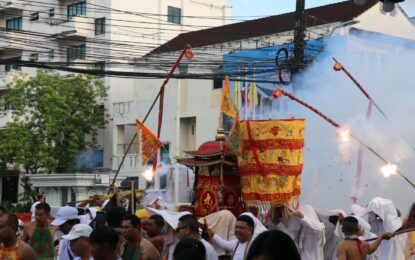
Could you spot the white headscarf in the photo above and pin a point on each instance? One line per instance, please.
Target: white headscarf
(170, 217)
(386, 211)
(258, 226)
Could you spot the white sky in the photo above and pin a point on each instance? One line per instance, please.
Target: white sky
(258, 8)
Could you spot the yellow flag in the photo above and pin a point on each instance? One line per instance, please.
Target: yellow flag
(237, 94)
(227, 106)
(253, 95)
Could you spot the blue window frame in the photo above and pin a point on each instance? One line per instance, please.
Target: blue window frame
(78, 9)
(14, 24)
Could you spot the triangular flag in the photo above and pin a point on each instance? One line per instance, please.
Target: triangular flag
(149, 141)
(234, 135)
(227, 106)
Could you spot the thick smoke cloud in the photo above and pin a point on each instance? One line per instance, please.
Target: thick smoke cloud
(385, 68)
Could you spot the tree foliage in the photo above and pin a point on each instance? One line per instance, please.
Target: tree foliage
(54, 118)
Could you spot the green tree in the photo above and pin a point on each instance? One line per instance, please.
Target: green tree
(54, 118)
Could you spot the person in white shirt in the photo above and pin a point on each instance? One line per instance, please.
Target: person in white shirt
(79, 241)
(247, 227)
(65, 219)
(305, 228)
(40, 199)
(188, 227)
(382, 216)
(333, 233)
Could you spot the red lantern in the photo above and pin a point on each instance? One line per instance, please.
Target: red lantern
(188, 54)
(337, 66)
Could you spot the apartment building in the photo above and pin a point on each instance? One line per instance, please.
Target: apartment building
(94, 34)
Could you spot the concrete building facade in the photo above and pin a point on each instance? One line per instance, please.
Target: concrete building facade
(98, 35)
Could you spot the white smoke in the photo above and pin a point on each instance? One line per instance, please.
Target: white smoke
(384, 67)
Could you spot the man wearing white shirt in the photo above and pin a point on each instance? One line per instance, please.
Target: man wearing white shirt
(189, 227)
(244, 233)
(65, 219)
(79, 241)
(307, 231)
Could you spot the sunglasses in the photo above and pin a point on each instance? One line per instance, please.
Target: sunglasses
(180, 228)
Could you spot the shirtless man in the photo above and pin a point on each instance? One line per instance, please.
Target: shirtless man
(135, 245)
(39, 235)
(12, 248)
(352, 248)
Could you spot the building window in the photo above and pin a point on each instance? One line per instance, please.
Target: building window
(100, 68)
(34, 16)
(78, 9)
(76, 53)
(51, 12)
(14, 24)
(12, 64)
(99, 26)
(174, 15)
(34, 57)
(217, 83)
(51, 54)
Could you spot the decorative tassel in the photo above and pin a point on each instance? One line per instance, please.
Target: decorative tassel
(187, 178)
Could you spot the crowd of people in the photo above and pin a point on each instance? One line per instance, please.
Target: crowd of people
(305, 233)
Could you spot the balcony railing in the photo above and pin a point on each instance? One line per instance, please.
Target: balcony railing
(10, 4)
(75, 27)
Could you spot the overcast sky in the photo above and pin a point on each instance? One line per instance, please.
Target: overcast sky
(245, 8)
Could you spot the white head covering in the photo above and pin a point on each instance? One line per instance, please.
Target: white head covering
(258, 226)
(170, 217)
(386, 211)
(324, 214)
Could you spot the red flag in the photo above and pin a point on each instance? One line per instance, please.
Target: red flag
(149, 141)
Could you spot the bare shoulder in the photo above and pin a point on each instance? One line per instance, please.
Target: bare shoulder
(29, 228)
(26, 251)
(148, 250)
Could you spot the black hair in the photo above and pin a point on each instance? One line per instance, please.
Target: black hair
(333, 219)
(115, 215)
(350, 226)
(100, 220)
(273, 244)
(247, 219)
(3, 210)
(159, 220)
(135, 221)
(81, 211)
(102, 235)
(189, 248)
(40, 196)
(43, 206)
(13, 221)
(191, 222)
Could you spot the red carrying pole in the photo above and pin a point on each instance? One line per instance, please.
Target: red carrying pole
(161, 102)
(160, 94)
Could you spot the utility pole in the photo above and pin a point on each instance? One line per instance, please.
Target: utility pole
(299, 36)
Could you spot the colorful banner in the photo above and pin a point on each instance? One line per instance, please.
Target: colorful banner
(270, 161)
(149, 141)
(207, 197)
(227, 106)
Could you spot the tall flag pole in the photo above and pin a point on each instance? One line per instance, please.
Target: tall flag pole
(186, 52)
(246, 92)
(237, 92)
